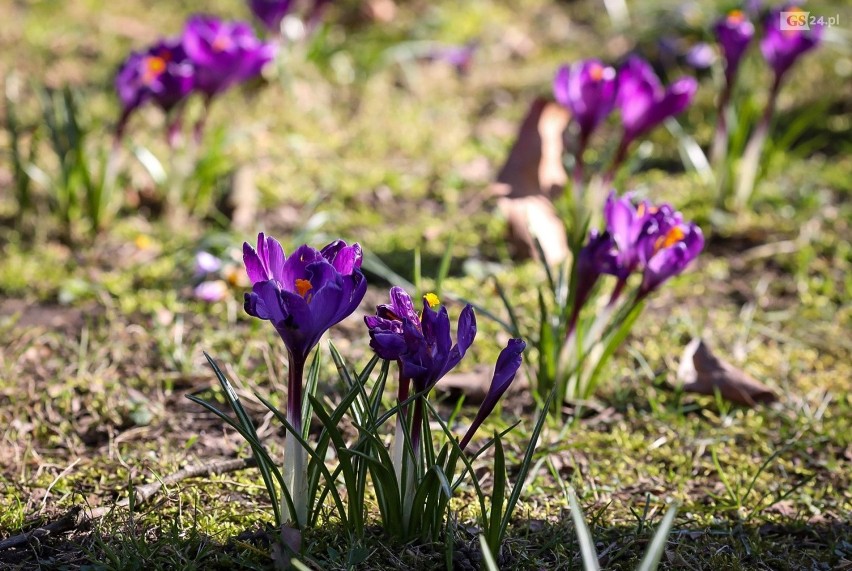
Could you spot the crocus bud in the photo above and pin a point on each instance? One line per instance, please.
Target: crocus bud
(733, 32)
(588, 89)
(781, 48)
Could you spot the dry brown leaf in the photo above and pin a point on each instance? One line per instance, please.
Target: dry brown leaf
(241, 202)
(533, 173)
(702, 372)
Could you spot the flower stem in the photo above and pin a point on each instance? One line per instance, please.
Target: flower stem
(719, 152)
(617, 161)
(295, 456)
(754, 148)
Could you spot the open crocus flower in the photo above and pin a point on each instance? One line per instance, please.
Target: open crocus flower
(162, 74)
(420, 342)
(224, 53)
(781, 48)
(643, 101)
(303, 295)
(507, 366)
(588, 89)
(734, 33)
(270, 12)
(669, 252)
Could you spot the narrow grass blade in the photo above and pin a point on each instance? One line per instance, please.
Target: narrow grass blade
(515, 329)
(487, 558)
(525, 465)
(658, 544)
(584, 536)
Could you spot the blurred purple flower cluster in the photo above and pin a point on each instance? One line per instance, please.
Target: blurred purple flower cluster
(209, 57)
(592, 90)
(652, 239)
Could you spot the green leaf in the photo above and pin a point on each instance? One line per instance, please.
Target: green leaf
(497, 496)
(309, 391)
(320, 461)
(525, 465)
(248, 428)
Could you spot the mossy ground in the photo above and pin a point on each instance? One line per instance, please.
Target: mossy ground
(101, 340)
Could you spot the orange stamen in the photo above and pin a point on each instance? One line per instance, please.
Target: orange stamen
(221, 43)
(736, 17)
(596, 72)
(303, 287)
(671, 238)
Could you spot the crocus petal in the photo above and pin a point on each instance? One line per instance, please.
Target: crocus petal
(296, 266)
(465, 332)
(505, 370)
(345, 259)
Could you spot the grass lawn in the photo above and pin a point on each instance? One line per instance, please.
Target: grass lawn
(101, 338)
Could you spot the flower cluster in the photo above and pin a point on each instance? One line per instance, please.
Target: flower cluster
(210, 56)
(653, 240)
(420, 342)
(780, 48)
(305, 294)
(591, 91)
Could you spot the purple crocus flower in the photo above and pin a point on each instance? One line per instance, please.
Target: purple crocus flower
(211, 291)
(668, 253)
(734, 33)
(161, 74)
(588, 89)
(507, 366)
(270, 12)
(781, 48)
(224, 53)
(206, 263)
(700, 56)
(304, 294)
(643, 101)
(458, 56)
(421, 343)
(627, 224)
(422, 346)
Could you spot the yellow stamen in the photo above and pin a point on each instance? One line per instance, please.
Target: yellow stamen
(672, 237)
(303, 286)
(432, 299)
(154, 67)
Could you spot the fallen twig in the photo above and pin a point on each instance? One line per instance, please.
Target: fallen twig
(77, 516)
